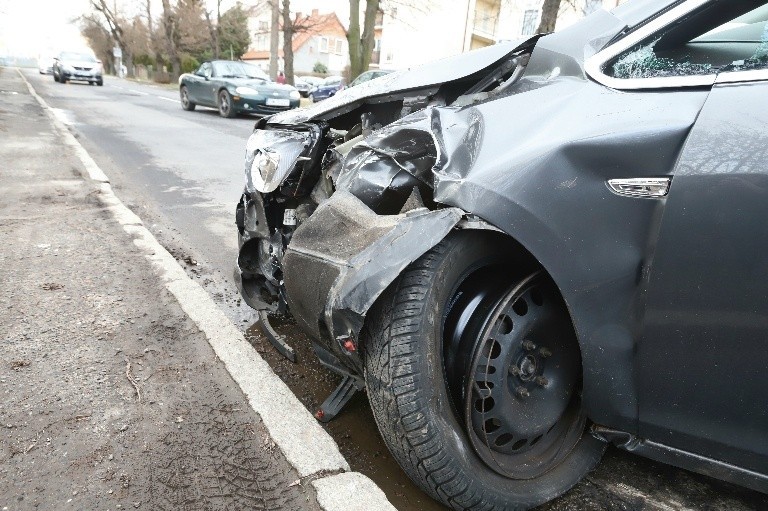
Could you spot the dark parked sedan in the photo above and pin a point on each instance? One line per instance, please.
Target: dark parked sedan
(529, 251)
(327, 88)
(235, 87)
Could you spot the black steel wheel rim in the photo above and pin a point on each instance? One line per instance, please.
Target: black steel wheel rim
(513, 369)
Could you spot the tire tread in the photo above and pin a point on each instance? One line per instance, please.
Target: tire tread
(416, 443)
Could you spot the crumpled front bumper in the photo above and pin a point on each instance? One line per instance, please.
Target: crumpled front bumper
(344, 256)
(249, 272)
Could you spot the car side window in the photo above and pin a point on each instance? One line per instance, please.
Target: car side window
(360, 79)
(701, 45)
(204, 70)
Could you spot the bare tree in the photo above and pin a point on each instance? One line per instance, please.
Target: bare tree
(98, 37)
(361, 45)
(170, 31)
(550, 11)
(214, 30)
(115, 25)
(288, 27)
(151, 29)
(274, 38)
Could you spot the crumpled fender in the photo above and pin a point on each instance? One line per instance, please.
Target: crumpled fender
(344, 256)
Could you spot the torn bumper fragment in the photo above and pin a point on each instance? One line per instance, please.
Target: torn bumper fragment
(344, 256)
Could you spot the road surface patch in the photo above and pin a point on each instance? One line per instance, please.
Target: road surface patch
(307, 447)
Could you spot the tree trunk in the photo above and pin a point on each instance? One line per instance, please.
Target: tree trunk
(169, 27)
(213, 33)
(274, 39)
(361, 47)
(549, 12)
(287, 42)
(217, 32)
(115, 30)
(353, 39)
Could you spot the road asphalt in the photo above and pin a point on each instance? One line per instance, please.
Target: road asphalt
(124, 385)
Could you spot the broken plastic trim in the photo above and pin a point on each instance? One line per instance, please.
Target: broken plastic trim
(344, 256)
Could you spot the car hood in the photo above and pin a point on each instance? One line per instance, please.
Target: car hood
(259, 84)
(571, 47)
(427, 75)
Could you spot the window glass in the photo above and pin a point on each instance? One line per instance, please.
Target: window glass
(591, 6)
(332, 80)
(204, 70)
(700, 45)
(530, 18)
(83, 57)
(230, 69)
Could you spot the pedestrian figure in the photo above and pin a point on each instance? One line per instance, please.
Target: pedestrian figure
(280, 77)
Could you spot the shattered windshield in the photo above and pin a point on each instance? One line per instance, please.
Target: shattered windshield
(693, 48)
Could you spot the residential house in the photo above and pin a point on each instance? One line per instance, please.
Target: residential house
(319, 38)
(521, 18)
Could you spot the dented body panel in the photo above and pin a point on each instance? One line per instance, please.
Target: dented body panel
(520, 140)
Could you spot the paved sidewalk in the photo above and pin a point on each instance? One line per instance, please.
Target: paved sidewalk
(112, 398)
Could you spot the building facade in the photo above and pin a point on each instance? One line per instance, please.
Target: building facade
(441, 28)
(410, 33)
(319, 39)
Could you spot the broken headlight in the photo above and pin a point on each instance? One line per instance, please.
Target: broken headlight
(270, 156)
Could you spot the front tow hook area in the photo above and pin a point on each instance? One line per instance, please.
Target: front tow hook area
(338, 399)
(275, 339)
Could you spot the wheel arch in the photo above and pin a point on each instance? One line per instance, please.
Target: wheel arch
(600, 273)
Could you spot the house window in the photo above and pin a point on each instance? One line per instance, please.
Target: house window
(339, 46)
(591, 6)
(263, 26)
(261, 42)
(530, 18)
(323, 45)
(377, 45)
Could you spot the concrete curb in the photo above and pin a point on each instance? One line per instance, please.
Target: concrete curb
(305, 444)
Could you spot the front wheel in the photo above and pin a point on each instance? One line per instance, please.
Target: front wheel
(186, 104)
(226, 105)
(473, 372)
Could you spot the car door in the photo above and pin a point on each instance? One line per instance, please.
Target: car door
(704, 350)
(199, 85)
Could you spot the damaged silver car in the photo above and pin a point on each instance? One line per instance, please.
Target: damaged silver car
(528, 251)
